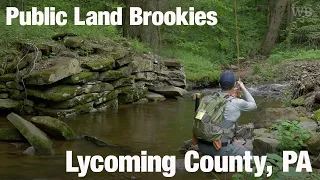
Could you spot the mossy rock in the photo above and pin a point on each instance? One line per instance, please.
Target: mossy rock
(58, 37)
(151, 96)
(317, 115)
(11, 134)
(17, 95)
(303, 119)
(172, 63)
(4, 95)
(28, 109)
(106, 96)
(55, 112)
(146, 76)
(131, 94)
(73, 41)
(8, 77)
(313, 144)
(110, 105)
(98, 87)
(118, 53)
(78, 100)
(10, 104)
(111, 75)
(84, 108)
(54, 127)
(2, 71)
(98, 64)
(139, 64)
(96, 141)
(79, 109)
(31, 57)
(123, 61)
(3, 87)
(57, 93)
(127, 70)
(63, 68)
(28, 102)
(35, 136)
(129, 81)
(14, 85)
(81, 78)
(169, 91)
(12, 66)
(298, 102)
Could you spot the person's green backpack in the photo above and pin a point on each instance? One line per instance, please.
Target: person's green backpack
(208, 118)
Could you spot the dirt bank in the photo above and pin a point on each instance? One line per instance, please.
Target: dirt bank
(257, 72)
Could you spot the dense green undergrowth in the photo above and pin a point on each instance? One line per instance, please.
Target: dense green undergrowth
(204, 50)
(197, 67)
(293, 55)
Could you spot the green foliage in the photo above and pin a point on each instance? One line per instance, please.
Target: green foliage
(295, 54)
(256, 69)
(305, 29)
(139, 47)
(216, 45)
(276, 162)
(286, 98)
(291, 135)
(33, 34)
(313, 176)
(198, 68)
(204, 49)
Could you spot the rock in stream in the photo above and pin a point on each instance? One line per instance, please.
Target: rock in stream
(54, 127)
(35, 136)
(10, 134)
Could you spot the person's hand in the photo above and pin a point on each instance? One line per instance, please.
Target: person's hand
(241, 85)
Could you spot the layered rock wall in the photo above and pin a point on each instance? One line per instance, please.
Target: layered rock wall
(75, 75)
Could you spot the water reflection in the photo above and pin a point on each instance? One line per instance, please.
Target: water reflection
(159, 128)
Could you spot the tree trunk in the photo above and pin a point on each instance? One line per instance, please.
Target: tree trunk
(148, 34)
(274, 25)
(289, 24)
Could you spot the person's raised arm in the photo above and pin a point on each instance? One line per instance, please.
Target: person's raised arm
(248, 104)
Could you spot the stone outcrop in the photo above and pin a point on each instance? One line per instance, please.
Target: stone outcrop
(54, 127)
(245, 131)
(30, 151)
(63, 67)
(35, 136)
(273, 114)
(306, 92)
(314, 144)
(169, 91)
(10, 104)
(96, 141)
(74, 75)
(10, 134)
(317, 115)
(263, 146)
(151, 96)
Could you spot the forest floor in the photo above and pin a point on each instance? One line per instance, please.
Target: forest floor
(262, 72)
(259, 72)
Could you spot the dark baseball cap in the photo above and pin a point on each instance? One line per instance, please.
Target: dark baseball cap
(227, 80)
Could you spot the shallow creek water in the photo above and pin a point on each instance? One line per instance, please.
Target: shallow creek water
(159, 128)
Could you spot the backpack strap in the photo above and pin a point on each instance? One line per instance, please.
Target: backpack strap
(228, 97)
(235, 131)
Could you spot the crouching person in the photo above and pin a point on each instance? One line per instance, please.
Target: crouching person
(215, 119)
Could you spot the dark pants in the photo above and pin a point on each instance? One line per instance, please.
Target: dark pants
(232, 149)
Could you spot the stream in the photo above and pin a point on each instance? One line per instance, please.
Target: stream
(159, 128)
